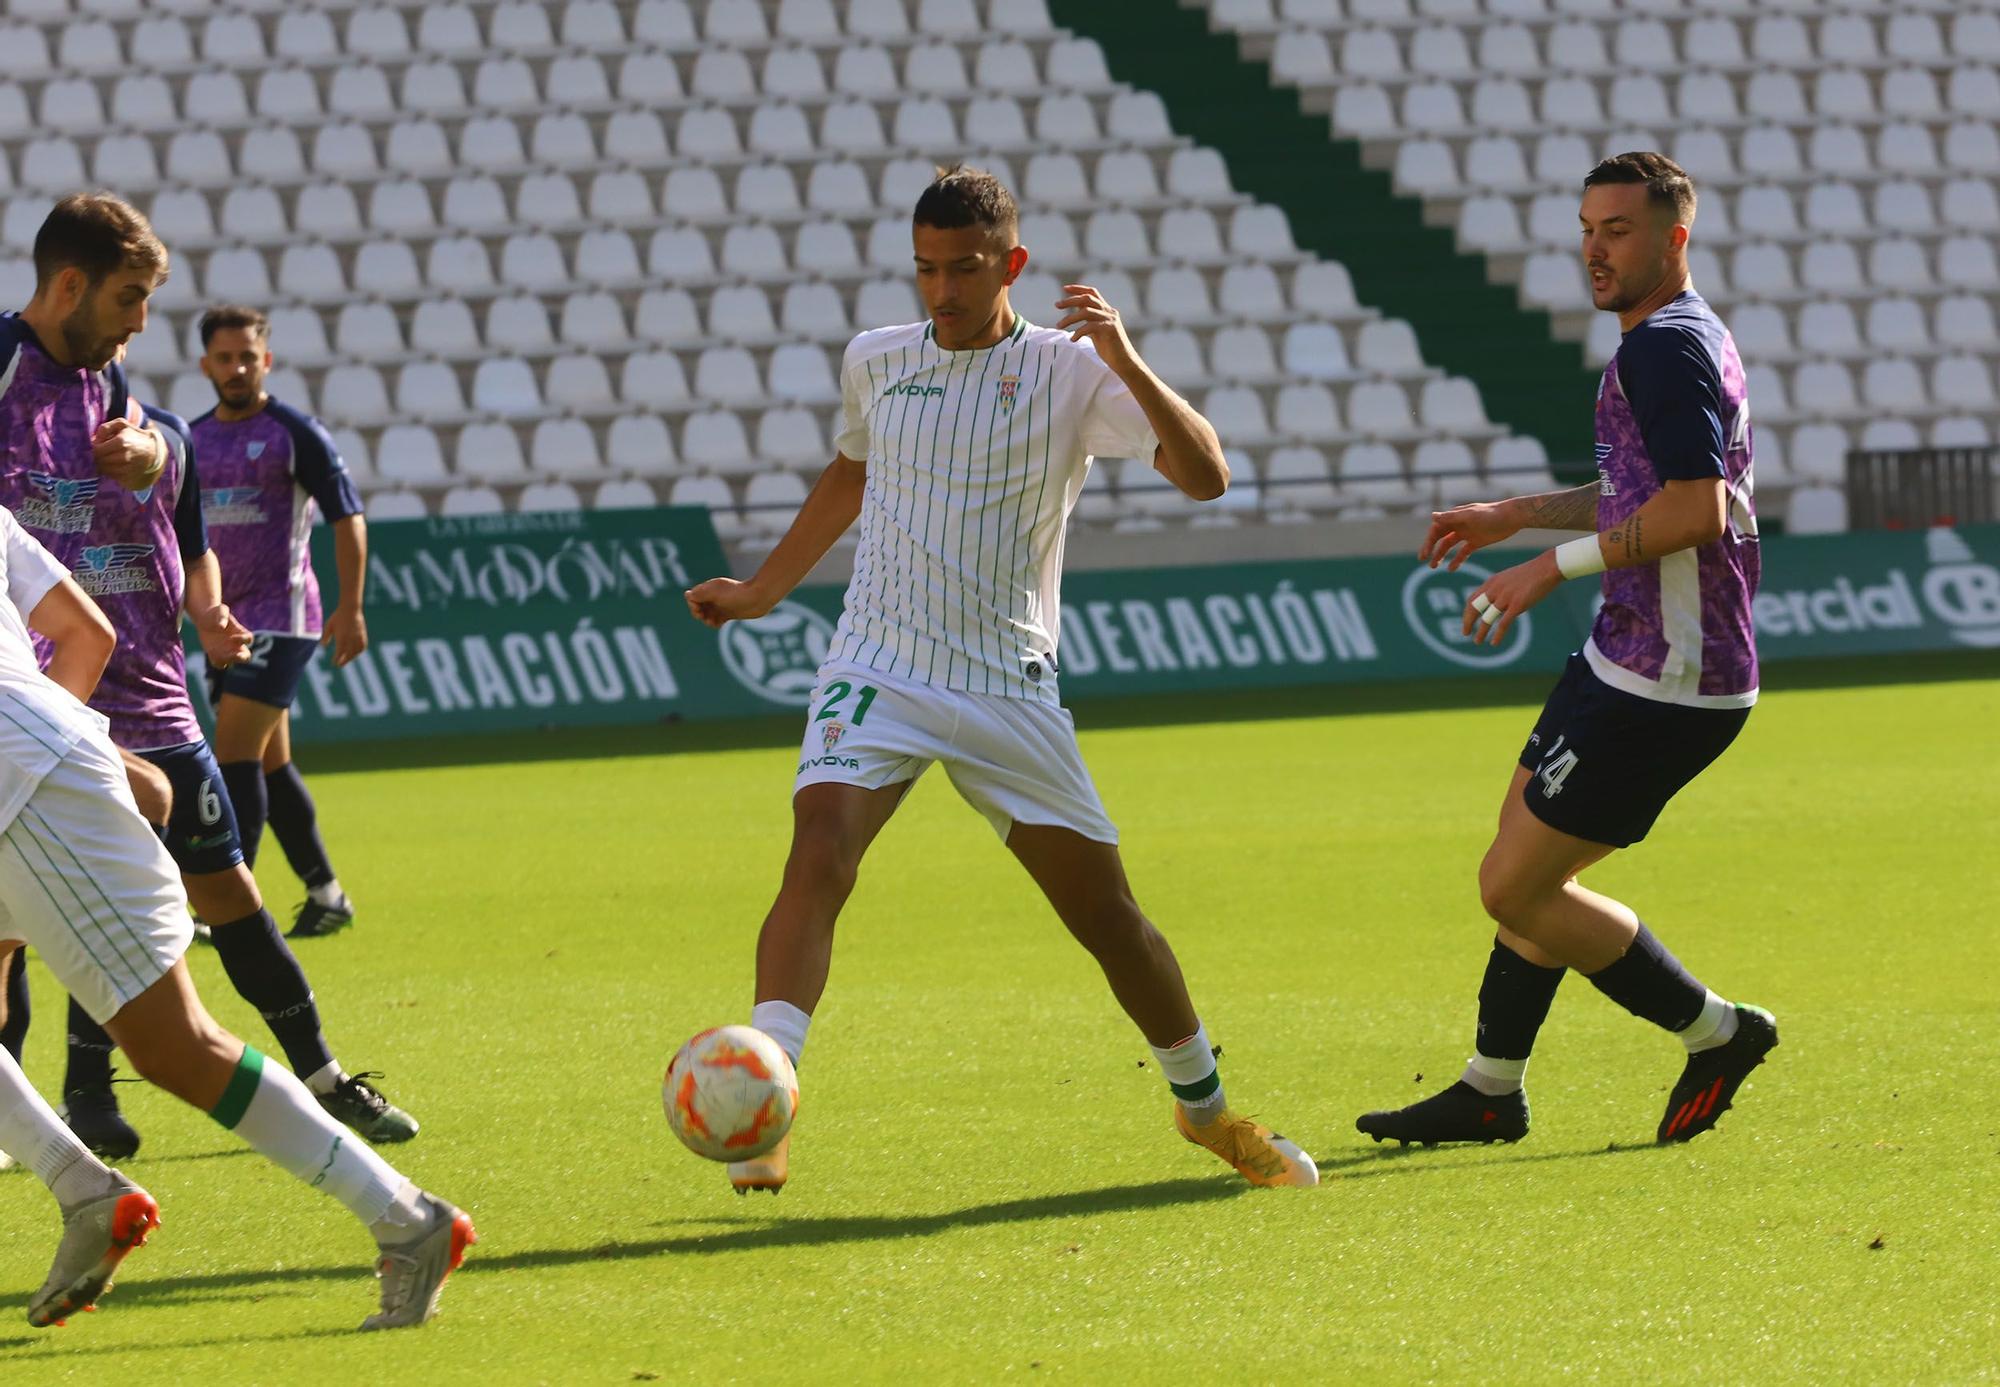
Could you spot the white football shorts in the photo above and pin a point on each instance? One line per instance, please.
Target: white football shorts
(86, 881)
(1013, 760)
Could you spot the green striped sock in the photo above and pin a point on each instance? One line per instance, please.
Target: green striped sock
(235, 1100)
(1191, 1074)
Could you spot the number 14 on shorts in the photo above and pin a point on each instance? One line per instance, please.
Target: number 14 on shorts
(1555, 769)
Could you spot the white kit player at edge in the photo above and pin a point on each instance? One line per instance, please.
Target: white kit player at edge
(964, 443)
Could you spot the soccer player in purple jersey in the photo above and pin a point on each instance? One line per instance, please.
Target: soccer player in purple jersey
(141, 554)
(265, 467)
(1659, 690)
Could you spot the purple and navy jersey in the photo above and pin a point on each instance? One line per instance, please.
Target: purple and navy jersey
(1673, 406)
(127, 549)
(261, 479)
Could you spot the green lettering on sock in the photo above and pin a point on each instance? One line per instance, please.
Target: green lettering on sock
(235, 1100)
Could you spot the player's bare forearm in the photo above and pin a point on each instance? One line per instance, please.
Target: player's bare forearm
(1683, 515)
(350, 558)
(1190, 453)
(203, 591)
(829, 509)
(1573, 509)
(81, 634)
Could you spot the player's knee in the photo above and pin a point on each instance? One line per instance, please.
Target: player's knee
(824, 861)
(1505, 893)
(1112, 924)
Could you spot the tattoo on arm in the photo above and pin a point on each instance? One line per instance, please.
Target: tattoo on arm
(1575, 509)
(1629, 540)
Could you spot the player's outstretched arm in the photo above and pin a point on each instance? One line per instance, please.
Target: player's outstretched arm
(1190, 453)
(1682, 515)
(829, 509)
(1455, 533)
(81, 634)
(347, 629)
(224, 639)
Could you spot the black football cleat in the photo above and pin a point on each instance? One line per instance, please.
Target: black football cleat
(92, 1113)
(1460, 1113)
(1708, 1085)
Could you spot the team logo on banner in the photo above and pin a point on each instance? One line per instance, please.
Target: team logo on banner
(1010, 390)
(778, 656)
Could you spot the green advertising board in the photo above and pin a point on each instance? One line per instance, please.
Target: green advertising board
(576, 618)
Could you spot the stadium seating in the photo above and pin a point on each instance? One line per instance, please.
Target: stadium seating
(531, 254)
(1845, 155)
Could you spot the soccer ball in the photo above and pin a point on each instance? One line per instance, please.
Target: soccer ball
(730, 1093)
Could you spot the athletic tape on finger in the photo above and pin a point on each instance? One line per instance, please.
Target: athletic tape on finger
(1490, 615)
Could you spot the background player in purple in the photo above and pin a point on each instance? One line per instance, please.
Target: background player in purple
(265, 467)
(127, 549)
(1660, 689)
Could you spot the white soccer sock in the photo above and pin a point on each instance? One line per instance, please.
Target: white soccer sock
(1715, 1026)
(326, 1078)
(1494, 1078)
(281, 1121)
(785, 1024)
(1190, 1070)
(32, 1134)
(326, 893)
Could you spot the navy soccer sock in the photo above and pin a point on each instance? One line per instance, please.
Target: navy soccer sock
(1514, 1000)
(15, 1033)
(1650, 983)
(89, 1052)
(245, 782)
(267, 975)
(295, 824)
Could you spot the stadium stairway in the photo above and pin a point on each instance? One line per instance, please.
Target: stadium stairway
(1343, 211)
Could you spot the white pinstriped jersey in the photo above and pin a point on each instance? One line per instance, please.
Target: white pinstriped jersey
(975, 459)
(39, 720)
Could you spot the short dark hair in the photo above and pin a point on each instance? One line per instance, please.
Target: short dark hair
(98, 233)
(1668, 186)
(233, 315)
(961, 196)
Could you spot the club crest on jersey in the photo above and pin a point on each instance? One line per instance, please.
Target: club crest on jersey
(1010, 390)
(103, 569)
(231, 505)
(254, 450)
(832, 733)
(65, 506)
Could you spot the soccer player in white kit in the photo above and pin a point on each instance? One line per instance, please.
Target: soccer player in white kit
(963, 445)
(86, 881)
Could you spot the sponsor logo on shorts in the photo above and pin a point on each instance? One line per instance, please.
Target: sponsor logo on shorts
(778, 656)
(843, 763)
(104, 569)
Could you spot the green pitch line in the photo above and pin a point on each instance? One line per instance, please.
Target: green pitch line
(985, 1183)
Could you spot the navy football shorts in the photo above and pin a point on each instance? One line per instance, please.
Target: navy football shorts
(271, 675)
(201, 829)
(1603, 763)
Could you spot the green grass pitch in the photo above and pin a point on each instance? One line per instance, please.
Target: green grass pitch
(985, 1182)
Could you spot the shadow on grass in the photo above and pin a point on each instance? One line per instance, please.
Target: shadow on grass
(736, 1234)
(1249, 705)
(1392, 1159)
(22, 1348)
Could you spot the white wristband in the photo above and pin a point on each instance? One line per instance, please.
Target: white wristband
(1579, 558)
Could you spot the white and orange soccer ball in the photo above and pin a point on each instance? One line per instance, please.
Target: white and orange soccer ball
(730, 1093)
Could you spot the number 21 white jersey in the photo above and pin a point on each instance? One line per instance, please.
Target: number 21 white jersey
(975, 459)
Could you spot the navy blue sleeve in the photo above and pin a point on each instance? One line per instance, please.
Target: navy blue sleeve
(116, 393)
(189, 527)
(317, 467)
(1674, 386)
